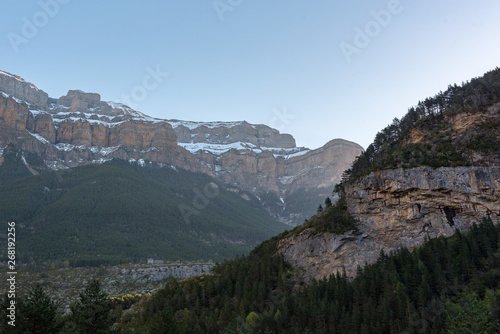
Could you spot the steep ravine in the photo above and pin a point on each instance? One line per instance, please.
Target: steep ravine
(398, 208)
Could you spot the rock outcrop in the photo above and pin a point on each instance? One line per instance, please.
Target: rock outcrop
(263, 161)
(79, 128)
(25, 91)
(398, 208)
(231, 132)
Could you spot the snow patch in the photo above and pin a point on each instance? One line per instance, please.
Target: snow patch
(293, 155)
(216, 149)
(100, 161)
(39, 138)
(66, 147)
(37, 112)
(14, 98)
(109, 123)
(211, 125)
(108, 150)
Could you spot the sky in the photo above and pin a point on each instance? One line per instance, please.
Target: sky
(317, 69)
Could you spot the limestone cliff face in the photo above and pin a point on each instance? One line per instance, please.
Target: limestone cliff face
(398, 208)
(274, 172)
(14, 115)
(16, 86)
(286, 173)
(322, 167)
(78, 128)
(231, 132)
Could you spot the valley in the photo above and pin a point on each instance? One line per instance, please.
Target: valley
(408, 241)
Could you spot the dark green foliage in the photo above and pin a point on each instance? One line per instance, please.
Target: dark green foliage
(164, 323)
(120, 212)
(448, 285)
(332, 218)
(208, 304)
(39, 313)
(426, 135)
(12, 168)
(470, 315)
(91, 314)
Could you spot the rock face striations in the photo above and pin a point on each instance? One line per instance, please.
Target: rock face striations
(399, 208)
(79, 128)
(230, 132)
(435, 171)
(15, 86)
(259, 159)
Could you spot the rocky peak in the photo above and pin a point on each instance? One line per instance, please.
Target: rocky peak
(79, 128)
(22, 90)
(230, 132)
(76, 100)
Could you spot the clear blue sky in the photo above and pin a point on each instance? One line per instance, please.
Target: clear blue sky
(256, 60)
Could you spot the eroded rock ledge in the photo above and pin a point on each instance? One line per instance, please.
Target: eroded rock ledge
(398, 208)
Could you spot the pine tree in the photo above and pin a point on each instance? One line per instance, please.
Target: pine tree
(39, 313)
(92, 313)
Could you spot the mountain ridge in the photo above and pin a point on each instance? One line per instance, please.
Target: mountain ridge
(78, 128)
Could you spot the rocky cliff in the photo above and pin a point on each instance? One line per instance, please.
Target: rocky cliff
(398, 208)
(230, 132)
(263, 161)
(434, 171)
(79, 128)
(18, 87)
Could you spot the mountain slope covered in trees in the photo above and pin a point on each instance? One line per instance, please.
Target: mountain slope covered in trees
(458, 127)
(120, 212)
(448, 285)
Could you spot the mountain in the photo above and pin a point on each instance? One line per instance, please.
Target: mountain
(290, 181)
(79, 128)
(120, 212)
(435, 171)
(411, 246)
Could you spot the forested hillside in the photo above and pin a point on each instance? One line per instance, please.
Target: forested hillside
(120, 212)
(449, 285)
(458, 127)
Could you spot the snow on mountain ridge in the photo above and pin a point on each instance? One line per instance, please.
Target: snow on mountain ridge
(191, 125)
(219, 149)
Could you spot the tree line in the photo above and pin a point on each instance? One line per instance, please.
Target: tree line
(439, 145)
